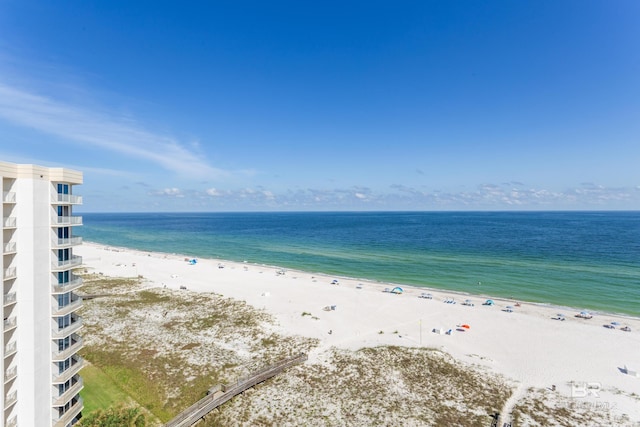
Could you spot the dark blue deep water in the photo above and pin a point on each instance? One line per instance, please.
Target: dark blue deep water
(579, 259)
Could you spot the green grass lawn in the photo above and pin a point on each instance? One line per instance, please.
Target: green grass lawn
(99, 391)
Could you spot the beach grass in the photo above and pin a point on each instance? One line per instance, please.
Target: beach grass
(164, 348)
(100, 391)
(544, 407)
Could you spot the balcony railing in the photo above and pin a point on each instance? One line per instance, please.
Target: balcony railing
(69, 393)
(76, 364)
(9, 273)
(10, 323)
(10, 374)
(9, 222)
(8, 197)
(9, 298)
(13, 422)
(68, 330)
(10, 349)
(9, 248)
(67, 264)
(68, 199)
(71, 241)
(10, 399)
(69, 351)
(71, 413)
(73, 284)
(67, 220)
(69, 308)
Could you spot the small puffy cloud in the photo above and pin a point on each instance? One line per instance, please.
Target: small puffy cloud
(169, 192)
(268, 195)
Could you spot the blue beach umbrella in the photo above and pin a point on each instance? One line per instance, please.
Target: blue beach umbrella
(615, 323)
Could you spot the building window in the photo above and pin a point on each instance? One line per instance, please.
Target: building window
(63, 254)
(64, 300)
(64, 365)
(63, 232)
(63, 277)
(62, 388)
(64, 343)
(63, 188)
(64, 321)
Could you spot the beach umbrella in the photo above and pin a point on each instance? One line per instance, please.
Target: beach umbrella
(615, 323)
(510, 307)
(489, 302)
(584, 313)
(560, 315)
(466, 326)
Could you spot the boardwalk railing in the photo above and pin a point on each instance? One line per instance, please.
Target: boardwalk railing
(200, 409)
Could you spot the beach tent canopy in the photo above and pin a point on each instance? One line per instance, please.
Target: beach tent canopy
(397, 290)
(489, 302)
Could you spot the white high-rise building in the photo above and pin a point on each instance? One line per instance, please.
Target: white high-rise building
(40, 330)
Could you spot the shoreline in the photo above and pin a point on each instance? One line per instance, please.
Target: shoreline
(526, 346)
(428, 289)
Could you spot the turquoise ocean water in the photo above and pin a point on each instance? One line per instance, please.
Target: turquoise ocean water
(579, 259)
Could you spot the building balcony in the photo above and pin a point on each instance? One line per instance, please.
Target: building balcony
(76, 364)
(10, 374)
(9, 273)
(8, 299)
(73, 327)
(67, 220)
(9, 222)
(10, 349)
(64, 243)
(10, 399)
(67, 199)
(9, 248)
(69, 394)
(74, 261)
(71, 285)
(10, 323)
(67, 309)
(59, 356)
(71, 413)
(8, 197)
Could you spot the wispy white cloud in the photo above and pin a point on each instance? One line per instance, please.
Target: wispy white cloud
(101, 130)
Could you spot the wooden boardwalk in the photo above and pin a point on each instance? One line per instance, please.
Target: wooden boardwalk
(200, 409)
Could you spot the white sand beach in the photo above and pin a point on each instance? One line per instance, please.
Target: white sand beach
(580, 357)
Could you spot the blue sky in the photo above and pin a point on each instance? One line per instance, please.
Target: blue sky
(263, 106)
